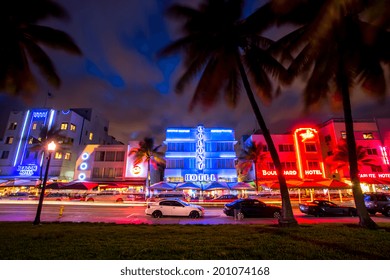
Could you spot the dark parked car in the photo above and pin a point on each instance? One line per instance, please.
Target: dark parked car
(322, 208)
(225, 198)
(252, 208)
(377, 202)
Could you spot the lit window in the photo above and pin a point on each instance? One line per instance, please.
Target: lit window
(368, 136)
(58, 155)
(343, 135)
(31, 140)
(90, 136)
(34, 126)
(64, 126)
(72, 127)
(67, 156)
(9, 140)
(12, 126)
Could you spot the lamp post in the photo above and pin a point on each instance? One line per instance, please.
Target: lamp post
(51, 147)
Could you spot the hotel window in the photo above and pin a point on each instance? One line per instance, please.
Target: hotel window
(31, 140)
(109, 172)
(313, 165)
(12, 126)
(120, 156)
(368, 136)
(110, 156)
(118, 172)
(97, 172)
(9, 140)
(310, 147)
(99, 156)
(343, 135)
(289, 165)
(90, 136)
(34, 126)
(271, 166)
(175, 163)
(286, 148)
(58, 155)
(67, 156)
(72, 127)
(372, 151)
(376, 168)
(64, 126)
(4, 154)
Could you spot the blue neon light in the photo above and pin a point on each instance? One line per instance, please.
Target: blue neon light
(21, 137)
(51, 118)
(221, 131)
(180, 156)
(179, 130)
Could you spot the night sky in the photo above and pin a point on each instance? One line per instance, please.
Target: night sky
(120, 77)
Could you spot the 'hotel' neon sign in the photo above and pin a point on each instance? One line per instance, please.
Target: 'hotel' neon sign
(200, 150)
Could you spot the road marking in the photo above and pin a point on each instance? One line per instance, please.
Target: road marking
(130, 215)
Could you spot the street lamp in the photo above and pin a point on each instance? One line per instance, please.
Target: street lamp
(51, 147)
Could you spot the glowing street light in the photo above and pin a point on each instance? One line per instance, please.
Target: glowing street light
(51, 147)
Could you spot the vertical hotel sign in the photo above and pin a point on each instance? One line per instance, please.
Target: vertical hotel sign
(200, 148)
(310, 162)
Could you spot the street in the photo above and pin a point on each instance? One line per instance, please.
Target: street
(53, 211)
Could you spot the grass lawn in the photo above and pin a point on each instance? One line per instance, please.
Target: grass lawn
(98, 241)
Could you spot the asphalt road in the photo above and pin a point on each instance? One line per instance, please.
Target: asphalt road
(13, 211)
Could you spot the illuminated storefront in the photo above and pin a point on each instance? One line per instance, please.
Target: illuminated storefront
(199, 154)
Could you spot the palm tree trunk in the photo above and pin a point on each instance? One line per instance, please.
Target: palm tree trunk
(364, 218)
(287, 219)
(148, 180)
(257, 187)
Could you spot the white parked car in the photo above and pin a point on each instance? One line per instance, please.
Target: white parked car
(106, 196)
(173, 207)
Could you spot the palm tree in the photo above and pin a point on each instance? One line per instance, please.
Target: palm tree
(21, 41)
(39, 144)
(224, 52)
(336, 49)
(147, 152)
(340, 160)
(252, 154)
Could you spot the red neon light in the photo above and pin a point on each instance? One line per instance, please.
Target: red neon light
(308, 134)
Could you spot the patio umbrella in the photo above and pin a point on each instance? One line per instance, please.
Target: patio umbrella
(162, 186)
(310, 185)
(216, 186)
(188, 186)
(290, 184)
(242, 186)
(335, 184)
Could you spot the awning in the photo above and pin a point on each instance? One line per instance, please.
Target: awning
(188, 186)
(216, 186)
(242, 186)
(79, 186)
(20, 183)
(335, 184)
(162, 186)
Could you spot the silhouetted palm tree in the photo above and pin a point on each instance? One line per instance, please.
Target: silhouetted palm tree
(340, 160)
(21, 44)
(252, 154)
(224, 52)
(147, 152)
(335, 49)
(40, 144)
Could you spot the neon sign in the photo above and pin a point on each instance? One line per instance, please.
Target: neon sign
(136, 170)
(200, 177)
(27, 170)
(200, 150)
(385, 156)
(39, 115)
(275, 173)
(313, 172)
(308, 134)
(375, 175)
